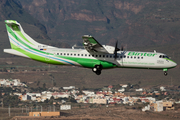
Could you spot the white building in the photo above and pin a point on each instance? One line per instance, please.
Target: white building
(162, 88)
(124, 86)
(2, 81)
(61, 95)
(69, 88)
(146, 108)
(159, 106)
(88, 93)
(121, 90)
(139, 90)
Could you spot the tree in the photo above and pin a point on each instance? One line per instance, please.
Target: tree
(138, 100)
(11, 100)
(46, 101)
(54, 83)
(136, 86)
(44, 85)
(52, 98)
(71, 99)
(4, 70)
(0, 94)
(38, 83)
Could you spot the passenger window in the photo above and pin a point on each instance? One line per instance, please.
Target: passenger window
(78, 54)
(107, 56)
(131, 56)
(81, 54)
(68, 54)
(134, 57)
(74, 54)
(61, 53)
(127, 56)
(103, 56)
(99, 55)
(89, 55)
(110, 56)
(138, 57)
(85, 54)
(120, 56)
(71, 54)
(93, 55)
(96, 55)
(124, 56)
(64, 53)
(57, 53)
(141, 57)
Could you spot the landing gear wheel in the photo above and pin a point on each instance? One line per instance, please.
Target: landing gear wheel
(98, 72)
(97, 69)
(94, 69)
(165, 73)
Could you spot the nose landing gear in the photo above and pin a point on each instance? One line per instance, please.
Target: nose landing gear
(165, 72)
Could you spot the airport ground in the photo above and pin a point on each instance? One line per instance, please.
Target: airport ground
(110, 113)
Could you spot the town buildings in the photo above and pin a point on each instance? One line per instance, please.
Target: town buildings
(108, 95)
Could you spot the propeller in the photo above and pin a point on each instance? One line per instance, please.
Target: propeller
(115, 50)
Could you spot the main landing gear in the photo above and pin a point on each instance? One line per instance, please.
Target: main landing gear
(97, 69)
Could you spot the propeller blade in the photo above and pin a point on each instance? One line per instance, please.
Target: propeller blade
(115, 50)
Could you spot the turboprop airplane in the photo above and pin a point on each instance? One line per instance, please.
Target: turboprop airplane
(94, 56)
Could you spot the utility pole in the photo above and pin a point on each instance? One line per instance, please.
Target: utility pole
(41, 108)
(2, 103)
(53, 108)
(9, 111)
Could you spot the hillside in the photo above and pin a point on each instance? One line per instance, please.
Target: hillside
(11, 9)
(132, 22)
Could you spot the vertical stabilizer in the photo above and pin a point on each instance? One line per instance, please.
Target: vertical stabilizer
(18, 38)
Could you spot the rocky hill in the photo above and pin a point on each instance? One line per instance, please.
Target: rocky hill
(132, 22)
(12, 9)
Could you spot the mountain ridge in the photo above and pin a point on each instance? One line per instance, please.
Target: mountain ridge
(132, 22)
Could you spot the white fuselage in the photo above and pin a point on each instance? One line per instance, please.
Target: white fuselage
(129, 59)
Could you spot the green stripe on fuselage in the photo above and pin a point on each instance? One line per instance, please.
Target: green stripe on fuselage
(38, 58)
(90, 63)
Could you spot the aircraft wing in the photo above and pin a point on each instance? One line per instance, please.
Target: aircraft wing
(92, 45)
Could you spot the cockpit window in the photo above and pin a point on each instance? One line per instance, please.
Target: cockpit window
(163, 56)
(166, 56)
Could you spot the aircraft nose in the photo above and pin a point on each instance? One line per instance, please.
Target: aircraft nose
(174, 64)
